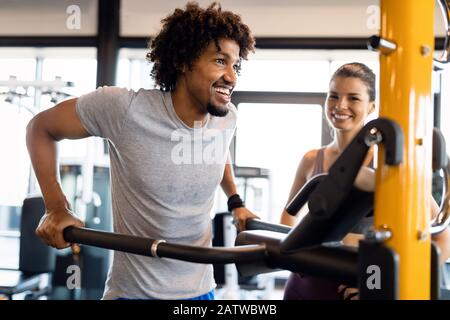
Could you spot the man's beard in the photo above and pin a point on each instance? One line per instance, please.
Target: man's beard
(216, 111)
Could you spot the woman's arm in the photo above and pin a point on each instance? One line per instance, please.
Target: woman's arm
(299, 181)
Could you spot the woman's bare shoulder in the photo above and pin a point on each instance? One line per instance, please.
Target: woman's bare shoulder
(309, 159)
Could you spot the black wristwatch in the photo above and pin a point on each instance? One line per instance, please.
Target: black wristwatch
(234, 202)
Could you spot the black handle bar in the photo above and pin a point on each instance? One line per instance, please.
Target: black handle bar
(158, 248)
(256, 224)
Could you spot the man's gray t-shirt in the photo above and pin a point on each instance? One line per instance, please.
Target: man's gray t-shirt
(164, 175)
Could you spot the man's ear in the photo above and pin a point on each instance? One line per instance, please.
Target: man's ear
(184, 68)
(372, 107)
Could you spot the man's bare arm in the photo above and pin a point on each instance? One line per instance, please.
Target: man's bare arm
(229, 187)
(43, 131)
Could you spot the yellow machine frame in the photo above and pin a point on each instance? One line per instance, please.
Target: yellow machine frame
(402, 198)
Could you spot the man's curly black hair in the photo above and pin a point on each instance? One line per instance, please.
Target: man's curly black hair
(186, 33)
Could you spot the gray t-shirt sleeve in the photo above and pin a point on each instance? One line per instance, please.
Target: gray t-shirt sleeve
(103, 112)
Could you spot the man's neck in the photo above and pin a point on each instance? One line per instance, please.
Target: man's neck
(186, 109)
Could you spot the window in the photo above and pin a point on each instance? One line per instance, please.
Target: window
(14, 163)
(275, 137)
(133, 70)
(80, 68)
(285, 76)
(17, 106)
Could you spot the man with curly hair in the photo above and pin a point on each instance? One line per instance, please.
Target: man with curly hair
(168, 152)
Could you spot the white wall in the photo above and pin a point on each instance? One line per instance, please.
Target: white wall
(271, 18)
(47, 17)
(265, 18)
(294, 18)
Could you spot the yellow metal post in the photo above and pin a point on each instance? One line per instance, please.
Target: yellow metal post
(402, 193)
